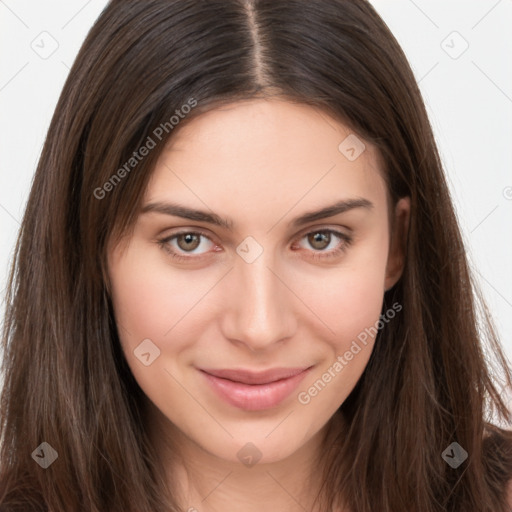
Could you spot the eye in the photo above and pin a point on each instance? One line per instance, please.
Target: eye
(186, 242)
(183, 246)
(327, 243)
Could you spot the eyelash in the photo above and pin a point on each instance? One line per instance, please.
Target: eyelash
(316, 255)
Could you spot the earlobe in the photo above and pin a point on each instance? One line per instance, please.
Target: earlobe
(398, 242)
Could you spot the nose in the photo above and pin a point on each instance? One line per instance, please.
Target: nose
(259, 305)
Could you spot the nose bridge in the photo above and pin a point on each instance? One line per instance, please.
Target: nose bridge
(261, 304)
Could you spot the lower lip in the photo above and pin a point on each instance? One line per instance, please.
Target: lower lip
(255, 397)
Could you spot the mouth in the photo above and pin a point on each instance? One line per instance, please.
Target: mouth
(255, 391)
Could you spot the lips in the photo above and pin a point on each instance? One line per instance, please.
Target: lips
(249, 377)
(254, 391)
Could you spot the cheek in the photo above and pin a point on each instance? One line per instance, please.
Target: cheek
(351, 306)
(349, 299)
(149, 298)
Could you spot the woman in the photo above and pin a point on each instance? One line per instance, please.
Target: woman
(240, 283)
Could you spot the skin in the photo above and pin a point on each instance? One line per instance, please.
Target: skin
(260, 163)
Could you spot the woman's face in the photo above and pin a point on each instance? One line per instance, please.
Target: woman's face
(246, 318)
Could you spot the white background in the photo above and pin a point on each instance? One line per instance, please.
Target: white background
(469, 100)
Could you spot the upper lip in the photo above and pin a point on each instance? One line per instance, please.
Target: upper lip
(252, 377)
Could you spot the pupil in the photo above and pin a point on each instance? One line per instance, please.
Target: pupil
(188, 239)
(320, 238)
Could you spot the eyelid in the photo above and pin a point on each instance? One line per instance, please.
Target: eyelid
(325, 227)
(193, 231)
(310, 229)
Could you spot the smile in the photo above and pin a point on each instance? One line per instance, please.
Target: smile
(252, 391)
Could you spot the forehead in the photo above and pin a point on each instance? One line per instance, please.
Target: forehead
(253, 155)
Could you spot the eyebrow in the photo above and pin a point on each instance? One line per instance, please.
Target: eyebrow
(184, 212)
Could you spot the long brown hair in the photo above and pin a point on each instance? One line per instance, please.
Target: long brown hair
(427, 384)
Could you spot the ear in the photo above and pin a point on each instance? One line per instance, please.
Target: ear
(398, 242)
